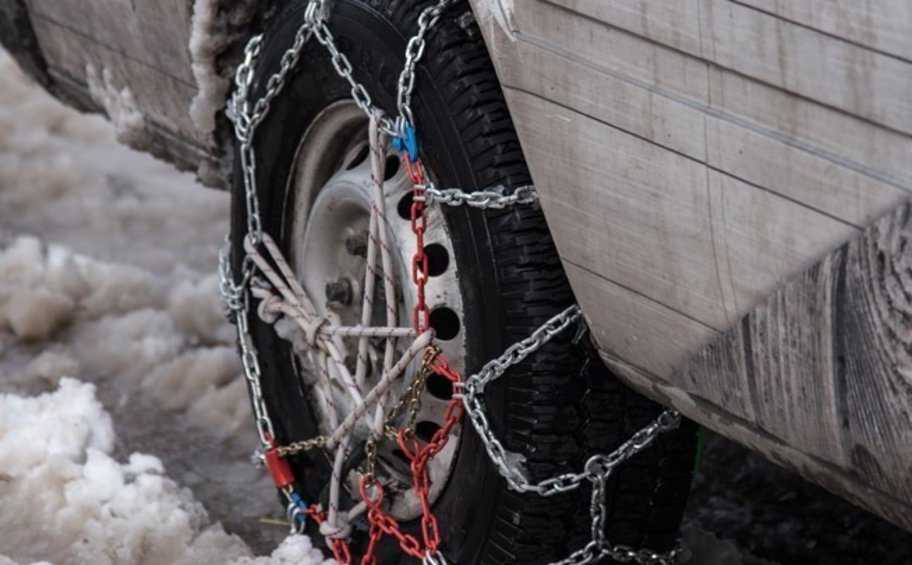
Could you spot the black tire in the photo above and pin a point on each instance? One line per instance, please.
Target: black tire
(561, 405)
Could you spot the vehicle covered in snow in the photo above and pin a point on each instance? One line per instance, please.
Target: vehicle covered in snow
(721, 186)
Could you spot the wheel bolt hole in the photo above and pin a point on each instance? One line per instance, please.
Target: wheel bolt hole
(445, 323)
(392, 167)
(438, 259)
(439, 386)
(425, 430)
(404, 208)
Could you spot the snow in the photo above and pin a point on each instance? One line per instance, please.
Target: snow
(124, 424)
(217, 27)
(65, 499)
(207, 41)
(163, 335)
(119, 105)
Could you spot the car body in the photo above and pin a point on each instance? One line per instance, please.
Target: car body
(727, 183)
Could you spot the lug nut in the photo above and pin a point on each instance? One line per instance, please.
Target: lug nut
(357, 244)
(339, 292)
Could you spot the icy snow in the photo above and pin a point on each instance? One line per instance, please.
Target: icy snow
(207, 41)
(119, 105)
(216, 26)
(66, 500)
(107, 274)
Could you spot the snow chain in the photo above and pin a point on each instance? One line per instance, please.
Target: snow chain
(266, 277)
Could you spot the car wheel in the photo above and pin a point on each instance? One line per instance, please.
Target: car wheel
(495, 277)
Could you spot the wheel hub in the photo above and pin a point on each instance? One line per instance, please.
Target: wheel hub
(329, 242)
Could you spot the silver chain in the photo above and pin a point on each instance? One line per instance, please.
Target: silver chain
(236, 296)
(489, 198)
(413, 53)
(597, 469)
(344, 69)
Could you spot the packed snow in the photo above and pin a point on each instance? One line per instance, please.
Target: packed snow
(113, 342)
(65, 499)
(118, 104)
(207, 41)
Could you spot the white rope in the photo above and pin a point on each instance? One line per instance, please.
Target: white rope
(281, 295)
(378, 211)
(322, 363)
(385, 383)
(298, 305)
(336, 524)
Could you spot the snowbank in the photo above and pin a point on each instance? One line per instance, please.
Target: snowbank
(107, 273)
(65, 499)
(163, 335)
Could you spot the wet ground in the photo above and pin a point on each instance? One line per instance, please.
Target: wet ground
(775, 515)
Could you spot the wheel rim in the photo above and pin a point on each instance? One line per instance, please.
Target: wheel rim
(327, 225)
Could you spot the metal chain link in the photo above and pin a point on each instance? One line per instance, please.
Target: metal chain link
(489, 198)
(236, 295)
(296, 447)
(597, 469)
(344, 69)
(413, 53)
(252, 373)
(411, 399)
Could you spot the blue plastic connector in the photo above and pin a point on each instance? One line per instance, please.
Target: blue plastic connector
(407, 143)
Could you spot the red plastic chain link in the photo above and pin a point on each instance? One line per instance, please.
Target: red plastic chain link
(279, 468)
(419, 457)
(421, 313)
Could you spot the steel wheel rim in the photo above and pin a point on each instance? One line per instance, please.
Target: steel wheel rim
(330, 189)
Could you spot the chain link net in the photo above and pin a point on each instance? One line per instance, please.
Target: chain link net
(470, 393)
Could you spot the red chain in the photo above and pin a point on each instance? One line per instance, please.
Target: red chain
(421, 313)
(419, 457)
(381, 523)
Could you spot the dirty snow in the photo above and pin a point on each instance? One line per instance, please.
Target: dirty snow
(207, 41)
(113, 344)
(119, 105)
(65, 499)
(216, 27)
